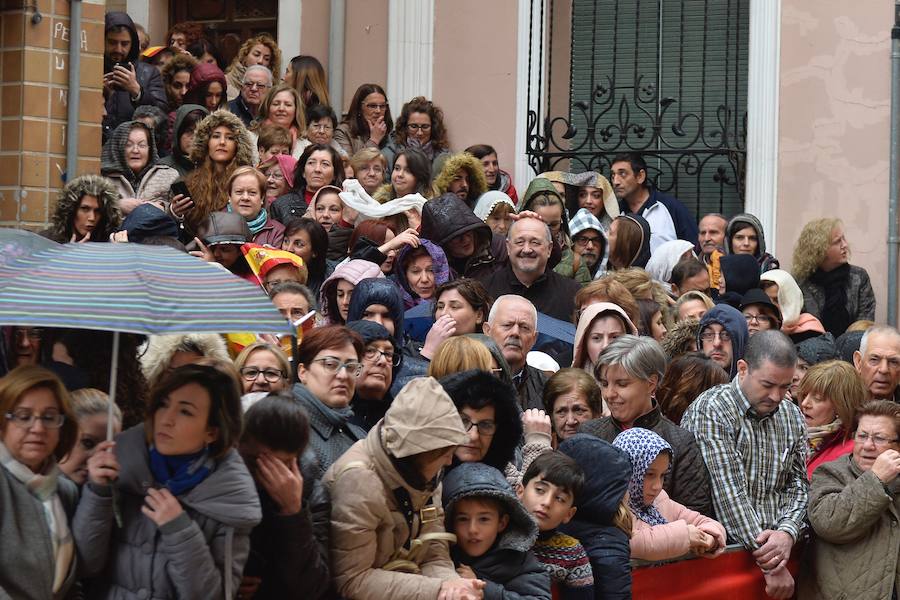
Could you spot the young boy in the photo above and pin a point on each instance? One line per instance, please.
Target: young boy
(549, 490)
(272, 140)
(494, 534)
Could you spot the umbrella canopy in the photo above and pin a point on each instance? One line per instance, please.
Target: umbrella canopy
(131, 288)
(16, 244)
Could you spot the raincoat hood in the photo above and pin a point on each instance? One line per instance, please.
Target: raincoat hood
(377, 290)
(642, 257)
(607, 473)
(471, 388)
(220, 118)
(741, 273)
(543, 186)
(488, 200)
(817, 349)
(741, 221)
(440, 266)
(478, 480)
(324, 189)
(63, 219)
(665, 257)
(586, 321)
(790, 297)
(183, 111)
(456, 162)
(120, 19)
(112, 156)
(148, 220)
(411, 426)
(575, 181)
(352, 271)
(370, 331)
(736, 326)
(206, 73)
(286, 162)
(161, 348)
(447, 217)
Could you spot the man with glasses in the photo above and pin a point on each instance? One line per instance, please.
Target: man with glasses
(754, 445)
(379, 360)
(529, 244)
(878, 361)
(588, 240)
(256, 83)
(722, 336)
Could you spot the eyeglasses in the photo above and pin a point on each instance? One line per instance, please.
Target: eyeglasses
(417, 127)
(270, 375)
(277, 175)
(25, 419)
(320, 127)
(862, 437)
(333, 365)
(377, 106)
(584, 241)
(708, 336)
(34, 335)
(759, 319)
(484, 427)
(132, 146)
(372, 355)
(255, 85)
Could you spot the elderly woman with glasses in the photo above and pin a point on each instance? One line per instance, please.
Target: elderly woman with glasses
(37, 427)
(263, 368)
(853, 509)
(328, 364)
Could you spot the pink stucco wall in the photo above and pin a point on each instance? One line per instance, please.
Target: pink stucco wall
(475, 72)
(314, 29)
(366, 49)
(833, 127)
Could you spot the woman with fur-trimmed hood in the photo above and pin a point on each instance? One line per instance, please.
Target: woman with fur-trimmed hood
(77, 216)
(221, 145)
(165, 352)
(449, 180)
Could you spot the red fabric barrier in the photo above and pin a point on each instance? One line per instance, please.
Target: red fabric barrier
(733, 575)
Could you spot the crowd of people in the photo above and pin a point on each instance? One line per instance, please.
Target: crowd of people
(429, 438)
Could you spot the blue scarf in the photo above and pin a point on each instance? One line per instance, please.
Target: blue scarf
(182, 473)
(255, 225)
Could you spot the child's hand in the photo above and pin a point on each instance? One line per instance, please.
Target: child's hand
(700, 541)
(466, 572)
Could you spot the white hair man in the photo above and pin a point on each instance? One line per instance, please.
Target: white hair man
(512, 324)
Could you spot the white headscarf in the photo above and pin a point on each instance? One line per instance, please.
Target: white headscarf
(357, 198)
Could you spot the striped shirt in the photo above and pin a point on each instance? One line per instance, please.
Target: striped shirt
(757, 465)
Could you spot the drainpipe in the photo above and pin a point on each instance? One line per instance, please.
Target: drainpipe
(74, 89)
(336, 56)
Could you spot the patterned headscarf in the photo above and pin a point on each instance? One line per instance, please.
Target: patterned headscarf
(642, 446)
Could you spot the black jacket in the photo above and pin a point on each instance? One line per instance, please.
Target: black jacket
(290, 553)
(530, 388)
(687, 482)
(119, 105)
(238, 108)
(552, 294)
(327, 440)
(607, 472)
(291, 205)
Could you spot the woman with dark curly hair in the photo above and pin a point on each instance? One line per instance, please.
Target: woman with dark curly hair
(258, 50)
(87, 210)
(420, 126)
(834, 291)
(176, 76)
(368, 123)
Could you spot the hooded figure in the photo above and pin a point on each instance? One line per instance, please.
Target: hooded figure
(448, 217)
(340, 232)
(736, 326)
(199, 554)
(488, 200)
(474, 170)
(478, 389)
(201, 77)
(383, 505)
(584, 220)
(638, 256)
(607, 472)
(589, 315)
(440, 267)
(178, 160)
(573, 183)
(352, 271)
(817, 349)
(741, 273)
(161, 349)
(152, 182)
(665, 257)
(367, 412)
(120, 104)
(790, 297)
(766, 261)
(62, 223)
(509, 568)
(207, 185)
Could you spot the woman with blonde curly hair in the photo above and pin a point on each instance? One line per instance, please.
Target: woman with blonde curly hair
(421, 126)
(259, 50)
(221, 145)
(834, 291)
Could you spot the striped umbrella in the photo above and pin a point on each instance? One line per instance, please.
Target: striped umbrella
(131, 288)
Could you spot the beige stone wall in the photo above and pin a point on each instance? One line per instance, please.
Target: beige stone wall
(34, 74)
(366, 49)
(834, 122)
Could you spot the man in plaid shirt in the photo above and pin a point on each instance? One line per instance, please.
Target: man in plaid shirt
(754, 445)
